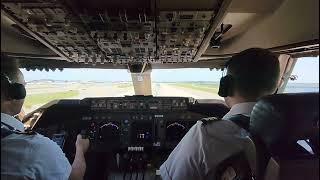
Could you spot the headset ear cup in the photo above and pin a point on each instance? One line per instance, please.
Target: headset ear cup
(225, 88)
(222, 87)
(17, 91)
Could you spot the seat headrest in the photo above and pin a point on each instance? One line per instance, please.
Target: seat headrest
(282, 119)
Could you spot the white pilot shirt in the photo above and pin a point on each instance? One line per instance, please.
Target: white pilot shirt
(204, 147)
(31, 156)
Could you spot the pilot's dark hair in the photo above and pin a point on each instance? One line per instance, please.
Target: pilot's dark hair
(255, 72)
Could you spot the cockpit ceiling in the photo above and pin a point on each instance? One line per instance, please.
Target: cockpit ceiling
(119, 32)
(162, 34)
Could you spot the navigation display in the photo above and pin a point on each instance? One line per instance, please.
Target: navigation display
(141, 132)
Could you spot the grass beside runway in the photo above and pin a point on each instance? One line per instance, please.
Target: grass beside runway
(43, 98)
(37, 96)
(123, 85)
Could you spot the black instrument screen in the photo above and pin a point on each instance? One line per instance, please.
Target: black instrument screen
(141, 132)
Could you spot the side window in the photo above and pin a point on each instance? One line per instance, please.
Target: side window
(305, 76)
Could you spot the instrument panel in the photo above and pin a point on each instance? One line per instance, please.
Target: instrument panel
(132, 132)
(132, 103)
(131, 123)
(142, 130)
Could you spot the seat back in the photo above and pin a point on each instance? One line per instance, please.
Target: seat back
(282, 122)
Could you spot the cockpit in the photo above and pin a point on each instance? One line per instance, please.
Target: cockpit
(135, 76)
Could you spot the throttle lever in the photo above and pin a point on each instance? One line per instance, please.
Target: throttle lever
(84, 134)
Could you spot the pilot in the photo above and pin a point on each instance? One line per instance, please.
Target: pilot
(28, 155)
(251, 74)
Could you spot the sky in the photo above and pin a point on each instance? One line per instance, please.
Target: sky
(307, 70)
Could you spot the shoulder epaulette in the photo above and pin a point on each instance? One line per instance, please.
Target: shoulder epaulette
(208, 120)
(27, 132)
(6, 132)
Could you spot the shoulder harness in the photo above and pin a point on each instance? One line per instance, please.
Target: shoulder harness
(10, 130)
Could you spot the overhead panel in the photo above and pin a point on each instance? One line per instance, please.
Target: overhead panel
(118, 32)
(180, 34)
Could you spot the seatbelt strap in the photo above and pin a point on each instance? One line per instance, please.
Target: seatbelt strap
(263, 156)
(239, 163)
(8, 126)
(11, 130)
(241, 120)
(5, 132)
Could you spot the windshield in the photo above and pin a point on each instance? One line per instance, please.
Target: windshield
(196, 83)
(43, 87)
(305, 76)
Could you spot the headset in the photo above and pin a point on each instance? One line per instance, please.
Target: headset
(226, 86)
(13, 90)
(226, 83)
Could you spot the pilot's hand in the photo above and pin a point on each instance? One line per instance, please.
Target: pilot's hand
(82, 144)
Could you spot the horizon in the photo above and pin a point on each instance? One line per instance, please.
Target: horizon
(96, 81)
